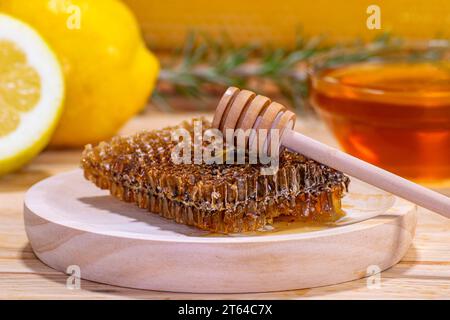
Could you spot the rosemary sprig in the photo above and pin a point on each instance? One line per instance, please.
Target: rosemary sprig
(204, 64)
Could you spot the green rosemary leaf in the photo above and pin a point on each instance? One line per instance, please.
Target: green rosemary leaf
(205, 62)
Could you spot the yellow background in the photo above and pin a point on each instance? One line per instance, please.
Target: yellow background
(165, 23)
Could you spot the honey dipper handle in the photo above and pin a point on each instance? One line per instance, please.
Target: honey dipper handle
(367, 172)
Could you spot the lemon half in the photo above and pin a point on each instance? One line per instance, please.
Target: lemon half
(31, 93)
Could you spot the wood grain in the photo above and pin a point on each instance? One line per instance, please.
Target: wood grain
(424, 272)
(117, 243)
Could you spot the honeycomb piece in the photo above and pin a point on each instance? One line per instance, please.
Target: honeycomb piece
(219, 197)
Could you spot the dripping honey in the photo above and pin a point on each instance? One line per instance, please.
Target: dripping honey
(395, 115)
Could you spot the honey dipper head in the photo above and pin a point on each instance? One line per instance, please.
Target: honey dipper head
(243, 109)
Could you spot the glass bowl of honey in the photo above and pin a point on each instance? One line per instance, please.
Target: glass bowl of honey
(389, 105)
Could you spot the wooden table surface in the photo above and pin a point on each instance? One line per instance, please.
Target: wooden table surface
(423, 273)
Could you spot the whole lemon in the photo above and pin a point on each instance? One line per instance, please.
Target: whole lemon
(109, 73)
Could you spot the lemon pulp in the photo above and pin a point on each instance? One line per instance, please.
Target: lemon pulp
(20, 86)
(31, 93)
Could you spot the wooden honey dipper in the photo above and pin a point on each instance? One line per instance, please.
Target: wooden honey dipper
(243, 109)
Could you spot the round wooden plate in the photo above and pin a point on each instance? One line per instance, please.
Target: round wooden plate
(71, 222)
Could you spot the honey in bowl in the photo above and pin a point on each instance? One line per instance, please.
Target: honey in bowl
(394, 114)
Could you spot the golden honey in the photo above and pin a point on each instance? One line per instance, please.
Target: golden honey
(394, 114)
(221, 198)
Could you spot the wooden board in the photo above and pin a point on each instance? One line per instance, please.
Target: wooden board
(71, 222)
(423, 273)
